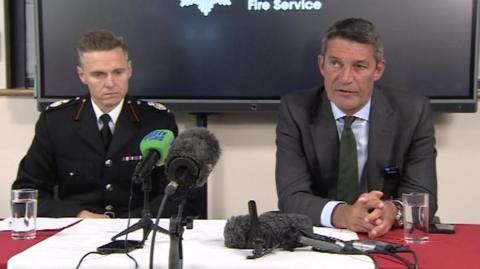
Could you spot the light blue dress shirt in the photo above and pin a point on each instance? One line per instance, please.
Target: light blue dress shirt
(360, 129)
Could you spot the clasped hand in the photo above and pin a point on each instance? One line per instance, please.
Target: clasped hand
(369, 214)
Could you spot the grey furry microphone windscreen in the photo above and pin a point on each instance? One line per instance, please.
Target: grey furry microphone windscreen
(275, 229)
(196, 147)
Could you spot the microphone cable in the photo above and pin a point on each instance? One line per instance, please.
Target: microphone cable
(84, 256)
(382, 248)
(130, 198)
(169, 190)
(126, 236)
(404, 261)
(385, 248)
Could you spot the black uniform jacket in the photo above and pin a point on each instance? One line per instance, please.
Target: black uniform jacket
(69, 165)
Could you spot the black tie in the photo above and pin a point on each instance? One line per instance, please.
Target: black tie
(105, 131)
(347, 184)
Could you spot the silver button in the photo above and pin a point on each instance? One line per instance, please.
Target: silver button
(109, 187)
(109, 207)
(108, 163)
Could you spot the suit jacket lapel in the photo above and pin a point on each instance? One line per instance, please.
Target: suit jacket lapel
(380, 139)
(324, 130)
(125, 129)
(88, 129)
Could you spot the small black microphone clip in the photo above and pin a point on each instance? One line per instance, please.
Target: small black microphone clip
(257, 242)
(391, 172)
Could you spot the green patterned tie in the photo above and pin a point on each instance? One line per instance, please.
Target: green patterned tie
(347, 183)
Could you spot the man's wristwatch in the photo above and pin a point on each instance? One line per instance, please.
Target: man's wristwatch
(399, 215)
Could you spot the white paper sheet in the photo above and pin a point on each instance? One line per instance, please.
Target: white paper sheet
(43, 223)
(342, 234)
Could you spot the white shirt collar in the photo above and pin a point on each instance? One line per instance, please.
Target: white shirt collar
(363, 113)
(114, 113)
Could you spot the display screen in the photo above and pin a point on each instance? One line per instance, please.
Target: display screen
(243, 55)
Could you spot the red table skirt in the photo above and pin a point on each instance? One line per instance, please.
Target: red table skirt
(443, 251)
(10, 247)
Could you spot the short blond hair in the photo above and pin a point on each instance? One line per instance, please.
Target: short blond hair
(100, 40)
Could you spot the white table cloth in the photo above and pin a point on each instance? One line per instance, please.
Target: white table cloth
(202, 248)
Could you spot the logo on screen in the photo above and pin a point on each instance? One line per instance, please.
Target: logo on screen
(283, 5)
(205, 6)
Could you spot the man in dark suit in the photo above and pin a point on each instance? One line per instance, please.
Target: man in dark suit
(393, 151)
(76, 172)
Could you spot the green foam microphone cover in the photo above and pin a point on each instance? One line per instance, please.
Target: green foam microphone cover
(159, 140)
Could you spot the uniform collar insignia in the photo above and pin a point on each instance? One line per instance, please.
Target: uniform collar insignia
(157, 105)
(58, 103)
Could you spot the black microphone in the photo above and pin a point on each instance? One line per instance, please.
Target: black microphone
(276, 229)
(192, 157)
(287, 231)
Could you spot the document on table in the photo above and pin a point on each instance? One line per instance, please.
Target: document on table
(44, 223)
(342, 234)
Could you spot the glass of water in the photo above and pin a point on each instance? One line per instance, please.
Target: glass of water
(24, 213)
(415, 217)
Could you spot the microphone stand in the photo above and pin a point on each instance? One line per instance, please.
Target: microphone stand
(145, 222)
(176, 229)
